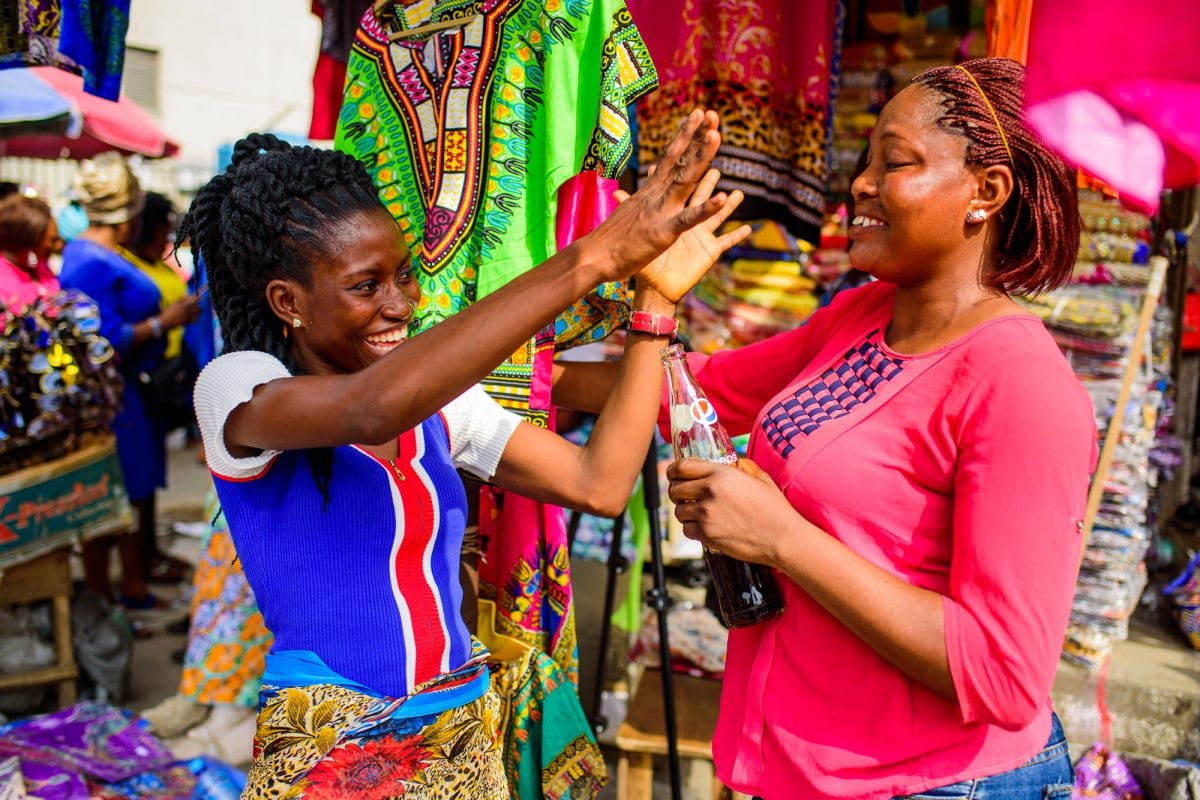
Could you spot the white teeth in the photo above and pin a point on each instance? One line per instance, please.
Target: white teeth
(388, 338)
(864, 221)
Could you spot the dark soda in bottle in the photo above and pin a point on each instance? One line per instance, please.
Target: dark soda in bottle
(746, 593)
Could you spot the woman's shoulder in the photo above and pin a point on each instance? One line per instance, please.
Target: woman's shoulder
(243, 363)
(80, 255)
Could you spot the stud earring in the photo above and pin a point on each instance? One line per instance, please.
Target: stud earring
(976, 216)
(296, 323)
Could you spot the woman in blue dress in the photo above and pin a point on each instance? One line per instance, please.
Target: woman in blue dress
(133, 320)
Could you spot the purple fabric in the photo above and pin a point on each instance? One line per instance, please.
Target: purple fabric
(94, 740)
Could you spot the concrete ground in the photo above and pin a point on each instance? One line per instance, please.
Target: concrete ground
(1152, 686)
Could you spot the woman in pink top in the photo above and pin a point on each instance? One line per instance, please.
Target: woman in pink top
(28, 237)
(923, 452)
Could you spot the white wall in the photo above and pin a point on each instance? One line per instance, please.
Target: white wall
(229, 67)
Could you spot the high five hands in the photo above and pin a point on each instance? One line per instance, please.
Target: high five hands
(669, 204)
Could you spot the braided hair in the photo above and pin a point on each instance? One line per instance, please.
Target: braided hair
(1039, 224)
(271, 215)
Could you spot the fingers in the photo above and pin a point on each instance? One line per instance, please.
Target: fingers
(678, 145)
(620, 195)
(692, 216)
(750, 468)
(728, 240)
(690, 469)
(705, 188)
(732, 201)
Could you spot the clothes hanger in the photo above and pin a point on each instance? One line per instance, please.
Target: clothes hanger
(384, 8)
(503, 648)
(433, 27)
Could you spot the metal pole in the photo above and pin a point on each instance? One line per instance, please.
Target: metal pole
(616, 565)
(658, 600)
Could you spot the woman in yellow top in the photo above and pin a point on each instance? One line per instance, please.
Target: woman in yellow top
(146, 252)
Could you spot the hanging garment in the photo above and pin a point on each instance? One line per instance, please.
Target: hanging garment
(764, 66)
(470, 133)
(29, 33)
(93, 36)
(228, 640)
(339, 24)
(1125, 107)
(549, 749)
(1008, 29)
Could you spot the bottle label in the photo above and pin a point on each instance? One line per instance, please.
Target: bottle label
(703, 412)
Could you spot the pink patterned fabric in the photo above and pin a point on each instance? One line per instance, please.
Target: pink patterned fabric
(1114, 87)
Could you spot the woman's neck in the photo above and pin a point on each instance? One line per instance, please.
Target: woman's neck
(929, 316)
(103, 235)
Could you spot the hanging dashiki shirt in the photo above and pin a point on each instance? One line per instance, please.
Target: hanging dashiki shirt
(764, 66)
(470, 133)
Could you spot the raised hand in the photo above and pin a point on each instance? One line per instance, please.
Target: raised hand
(684, 263)
(642, 228)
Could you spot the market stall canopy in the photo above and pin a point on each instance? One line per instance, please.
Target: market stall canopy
(29, 106)
(122, 126)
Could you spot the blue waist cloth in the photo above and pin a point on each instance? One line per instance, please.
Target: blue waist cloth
(295, 668)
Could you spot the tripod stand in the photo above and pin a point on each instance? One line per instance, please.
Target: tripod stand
(656, 597)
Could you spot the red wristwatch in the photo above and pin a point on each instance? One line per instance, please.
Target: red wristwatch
(652, 324)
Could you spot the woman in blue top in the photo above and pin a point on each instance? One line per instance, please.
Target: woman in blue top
(333, 442)
(132, 319)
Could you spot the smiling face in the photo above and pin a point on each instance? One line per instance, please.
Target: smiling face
(360, 300)
(911, 200)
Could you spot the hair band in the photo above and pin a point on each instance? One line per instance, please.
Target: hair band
(995, 117)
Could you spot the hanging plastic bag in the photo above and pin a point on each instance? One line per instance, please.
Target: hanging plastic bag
(1103, 775)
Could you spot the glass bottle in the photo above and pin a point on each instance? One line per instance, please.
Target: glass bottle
(747, 593)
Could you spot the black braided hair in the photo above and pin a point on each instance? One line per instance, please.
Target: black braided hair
(274, 212)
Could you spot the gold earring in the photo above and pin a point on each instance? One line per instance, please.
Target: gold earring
(296, 323)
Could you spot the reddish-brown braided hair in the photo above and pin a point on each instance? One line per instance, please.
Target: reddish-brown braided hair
(1039, 225)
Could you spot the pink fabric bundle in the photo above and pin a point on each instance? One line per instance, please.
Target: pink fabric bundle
(1114, 87)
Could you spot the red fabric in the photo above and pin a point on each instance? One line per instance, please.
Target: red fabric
(964, 471)
(122, 126)
(329, 79)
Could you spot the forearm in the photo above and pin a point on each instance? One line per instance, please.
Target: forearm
(617, 446)
(901, 622)
(419, 376)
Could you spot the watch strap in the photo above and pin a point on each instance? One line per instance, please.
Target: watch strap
(652, 324)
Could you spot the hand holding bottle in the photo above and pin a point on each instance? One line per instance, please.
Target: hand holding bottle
(747, 592)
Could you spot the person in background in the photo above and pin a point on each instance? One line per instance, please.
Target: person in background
(918, 472)
(146, 251)
(134, 320)
(28, 237)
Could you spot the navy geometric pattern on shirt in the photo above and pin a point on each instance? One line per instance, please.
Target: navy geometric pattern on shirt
(833, 395)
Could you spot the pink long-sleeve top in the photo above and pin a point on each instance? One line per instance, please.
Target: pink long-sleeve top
(20, 287)
(963, 471)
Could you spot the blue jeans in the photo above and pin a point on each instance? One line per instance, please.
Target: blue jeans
(1046, 776)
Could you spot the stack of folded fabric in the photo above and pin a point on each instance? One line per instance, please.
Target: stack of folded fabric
(760, 288)
(1094, 324)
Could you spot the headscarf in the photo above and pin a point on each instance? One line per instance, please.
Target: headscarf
(109, 190)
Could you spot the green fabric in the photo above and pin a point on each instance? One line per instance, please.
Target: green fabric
(628, 616)
(531, 92)
(549, 749)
